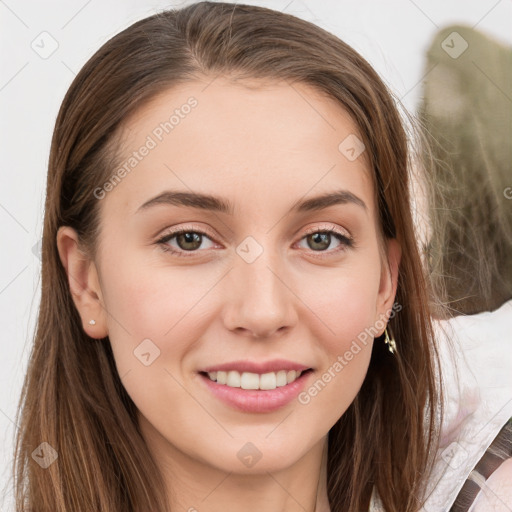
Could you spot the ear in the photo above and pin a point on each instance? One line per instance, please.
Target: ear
(83, 283)
(389, 279)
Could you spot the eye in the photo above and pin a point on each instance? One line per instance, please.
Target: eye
(187, 240)
(319, 240)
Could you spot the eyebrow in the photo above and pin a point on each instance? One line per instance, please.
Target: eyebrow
(218, 204)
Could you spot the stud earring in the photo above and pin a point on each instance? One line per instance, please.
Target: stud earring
(390, 341)
(92, 322)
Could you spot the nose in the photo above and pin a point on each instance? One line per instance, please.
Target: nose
(259, 300)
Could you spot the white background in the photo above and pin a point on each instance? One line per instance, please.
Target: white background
(391, 35)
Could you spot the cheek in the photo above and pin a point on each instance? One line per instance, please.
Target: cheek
(345, 302)
(346, 307)
(152, 322)
(155, 303)
(152, 299)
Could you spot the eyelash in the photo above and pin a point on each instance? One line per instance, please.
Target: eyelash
(346, 242)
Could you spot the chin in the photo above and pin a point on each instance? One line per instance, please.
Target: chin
(253, 456)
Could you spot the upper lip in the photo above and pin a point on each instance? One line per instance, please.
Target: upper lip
(257, 367)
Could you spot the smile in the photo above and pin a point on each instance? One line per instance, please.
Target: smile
(249, 380)
(253, 392)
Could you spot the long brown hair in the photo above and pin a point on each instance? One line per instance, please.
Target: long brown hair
(73, 397)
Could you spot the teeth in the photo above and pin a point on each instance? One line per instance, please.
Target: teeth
(281, 378)
(248, 380)
(291, 376)
(268, 381)
(233, 379)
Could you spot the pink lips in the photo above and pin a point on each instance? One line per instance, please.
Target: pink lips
(257, 367)
(255, 400)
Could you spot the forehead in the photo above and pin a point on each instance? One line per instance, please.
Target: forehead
(278, 140)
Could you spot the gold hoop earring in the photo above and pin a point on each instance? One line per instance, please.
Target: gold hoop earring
(389, 341)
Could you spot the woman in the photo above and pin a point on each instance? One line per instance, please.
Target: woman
(227, 229)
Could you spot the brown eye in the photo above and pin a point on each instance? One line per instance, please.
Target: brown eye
(319, 241)
(189, 240)
(185, 241)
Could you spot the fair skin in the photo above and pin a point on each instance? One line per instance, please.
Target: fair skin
(262, 147)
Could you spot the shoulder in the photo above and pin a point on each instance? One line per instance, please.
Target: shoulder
(496, 492)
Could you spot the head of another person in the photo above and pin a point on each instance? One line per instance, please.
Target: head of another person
(467, 112)
(228, 183)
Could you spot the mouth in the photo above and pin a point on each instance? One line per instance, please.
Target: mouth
(253, 392)
(255, 381)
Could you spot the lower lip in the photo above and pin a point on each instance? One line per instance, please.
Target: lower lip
(254, 400)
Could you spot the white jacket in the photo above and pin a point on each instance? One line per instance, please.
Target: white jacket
(476, 363)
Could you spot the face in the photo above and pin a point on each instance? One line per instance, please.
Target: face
(264, 279)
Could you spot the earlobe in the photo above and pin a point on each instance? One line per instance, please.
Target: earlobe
(389, 277)
(83, 283)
